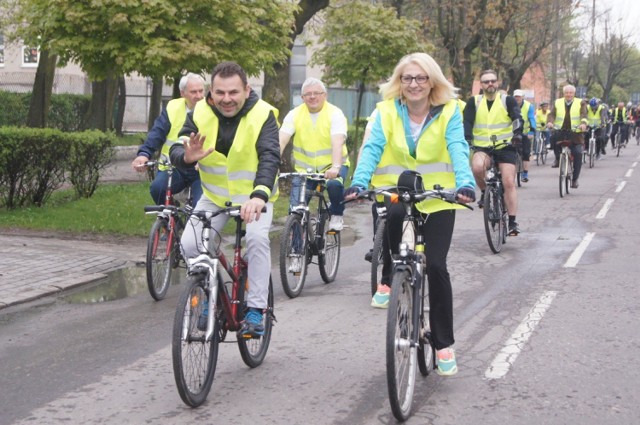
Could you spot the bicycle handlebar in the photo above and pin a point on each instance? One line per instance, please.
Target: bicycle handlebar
(411, 197)
(313, 176)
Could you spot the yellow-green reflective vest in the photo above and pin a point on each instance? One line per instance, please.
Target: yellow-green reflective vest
(432, 157)
(624, 114)
(494, 122)
(524, 111)
(312, 142)
(231, 177)
(574, 111)
(594, 117)
(541, 119)
(177, 113)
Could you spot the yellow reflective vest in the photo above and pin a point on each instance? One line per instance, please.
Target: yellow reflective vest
(494, 122)
(524, 111)
(594, 117)
(312, 142)
(177, 113)
(432, 157)
(541, 119)
(624, 114)
(574, 111)
(231, 177)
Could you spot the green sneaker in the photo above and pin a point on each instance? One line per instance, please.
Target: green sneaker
(446, 359)
(381, 297)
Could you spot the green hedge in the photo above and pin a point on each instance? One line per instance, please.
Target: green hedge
(36, 162)
(66, 112)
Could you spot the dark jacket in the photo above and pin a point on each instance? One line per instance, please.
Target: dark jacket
(267, 146)
(469, 116)
(156, 136)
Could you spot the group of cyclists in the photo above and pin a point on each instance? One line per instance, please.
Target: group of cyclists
(227, 145)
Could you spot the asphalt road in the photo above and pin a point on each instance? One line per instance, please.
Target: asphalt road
(546, 332)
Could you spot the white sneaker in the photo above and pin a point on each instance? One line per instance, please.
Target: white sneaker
(296, 265)
(336, 223)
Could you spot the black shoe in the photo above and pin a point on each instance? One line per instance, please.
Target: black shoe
(368, 256)
(481, 200)
(604, 152)
(514, 230)
(574, 184)
(555, 164)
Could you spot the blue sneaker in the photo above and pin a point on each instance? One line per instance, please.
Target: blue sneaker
(204, 315)
(525, 176)
(252, 326)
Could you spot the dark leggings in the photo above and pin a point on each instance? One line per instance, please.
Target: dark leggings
(437, 232)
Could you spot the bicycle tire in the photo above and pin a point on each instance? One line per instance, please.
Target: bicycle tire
(563, 174)
(592, 154)
(401, 354)
(194, 358)
(426, 351)
(293, 281)
(377, 255)
(618, 143)
(493, 226)
(538, 149)
(544, 153)
(254, 350)
(519, 170)
(328, 252)
(161, 254)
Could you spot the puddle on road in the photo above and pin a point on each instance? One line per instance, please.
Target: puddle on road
(131, 281)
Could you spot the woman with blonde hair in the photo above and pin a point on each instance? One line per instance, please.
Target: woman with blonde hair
(418, 127)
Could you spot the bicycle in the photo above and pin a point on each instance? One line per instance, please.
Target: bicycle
(209, 308)
(565, 165)
(408, 338)
(519, 167)
(494, 207)
(591, 152)
(306, 235)
(540, 149)
(163, 244)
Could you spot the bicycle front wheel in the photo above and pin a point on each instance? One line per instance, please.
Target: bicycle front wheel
(160, 258)
(426, 351)
(254, 350)
(492, 210)
(329, 254)
(401, 353)
(562, 178)
(592, 154)
(194, 358)
(293, 256)
(378, 256)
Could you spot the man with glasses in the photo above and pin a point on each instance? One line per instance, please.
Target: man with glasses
(494, 114)
(320, 130)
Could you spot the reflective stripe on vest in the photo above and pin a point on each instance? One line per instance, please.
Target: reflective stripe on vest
(574, 111)
(432, 157)
(494, 122)
(231, 177)
(312, 142)
(177, 113)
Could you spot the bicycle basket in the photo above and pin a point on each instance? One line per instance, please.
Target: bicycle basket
(410, 181)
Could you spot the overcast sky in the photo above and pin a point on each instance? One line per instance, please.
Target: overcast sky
(627, 11)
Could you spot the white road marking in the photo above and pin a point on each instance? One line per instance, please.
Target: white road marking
(580, 249)
(514, 345)
(629, 172)
(605, 208)
(621, 186)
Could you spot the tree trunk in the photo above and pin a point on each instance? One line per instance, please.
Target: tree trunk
(122, 103)
(356, 136)
(155, 103)
(175, 93)
(42, 87)
(100, 113)
(276, 91)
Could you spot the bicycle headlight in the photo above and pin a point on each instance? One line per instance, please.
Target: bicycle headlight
(404, 249)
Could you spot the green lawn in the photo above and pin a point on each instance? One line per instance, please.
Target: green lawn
(114, 209)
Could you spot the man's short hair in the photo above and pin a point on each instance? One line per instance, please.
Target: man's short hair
(312, 82)
(189, 77)
(569, 87)
(488, 71)
(229, 69)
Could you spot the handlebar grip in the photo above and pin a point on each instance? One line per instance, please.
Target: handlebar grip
(154, 208)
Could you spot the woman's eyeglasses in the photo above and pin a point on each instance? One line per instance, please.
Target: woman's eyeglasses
(420, 79)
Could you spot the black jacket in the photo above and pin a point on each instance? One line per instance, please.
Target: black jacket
(267, 146)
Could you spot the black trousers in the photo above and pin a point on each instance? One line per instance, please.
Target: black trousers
(437, 232)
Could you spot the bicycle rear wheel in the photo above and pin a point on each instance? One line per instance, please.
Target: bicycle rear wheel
(329, 252)
(194, 358)
(254, 350)
(519, 170)
(544, 153)
(161, 254)
(400, 352)
(618, 143)
(492, 210)
(378, 255)
(293, 256)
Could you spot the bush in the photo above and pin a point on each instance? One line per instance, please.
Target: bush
(66, 112)
(34, 163)
(14, 108)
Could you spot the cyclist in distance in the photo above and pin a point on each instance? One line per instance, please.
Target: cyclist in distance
(233, 136)
(419, 128)
(568, 116)
(597, 117)
(319, 131)
(619, 119)
(527, 111)
(495, 114)
(164, 134)
(541, 122)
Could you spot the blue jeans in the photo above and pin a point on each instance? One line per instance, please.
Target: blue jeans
(180, 180)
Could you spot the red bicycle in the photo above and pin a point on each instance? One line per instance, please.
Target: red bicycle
(209, 308)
